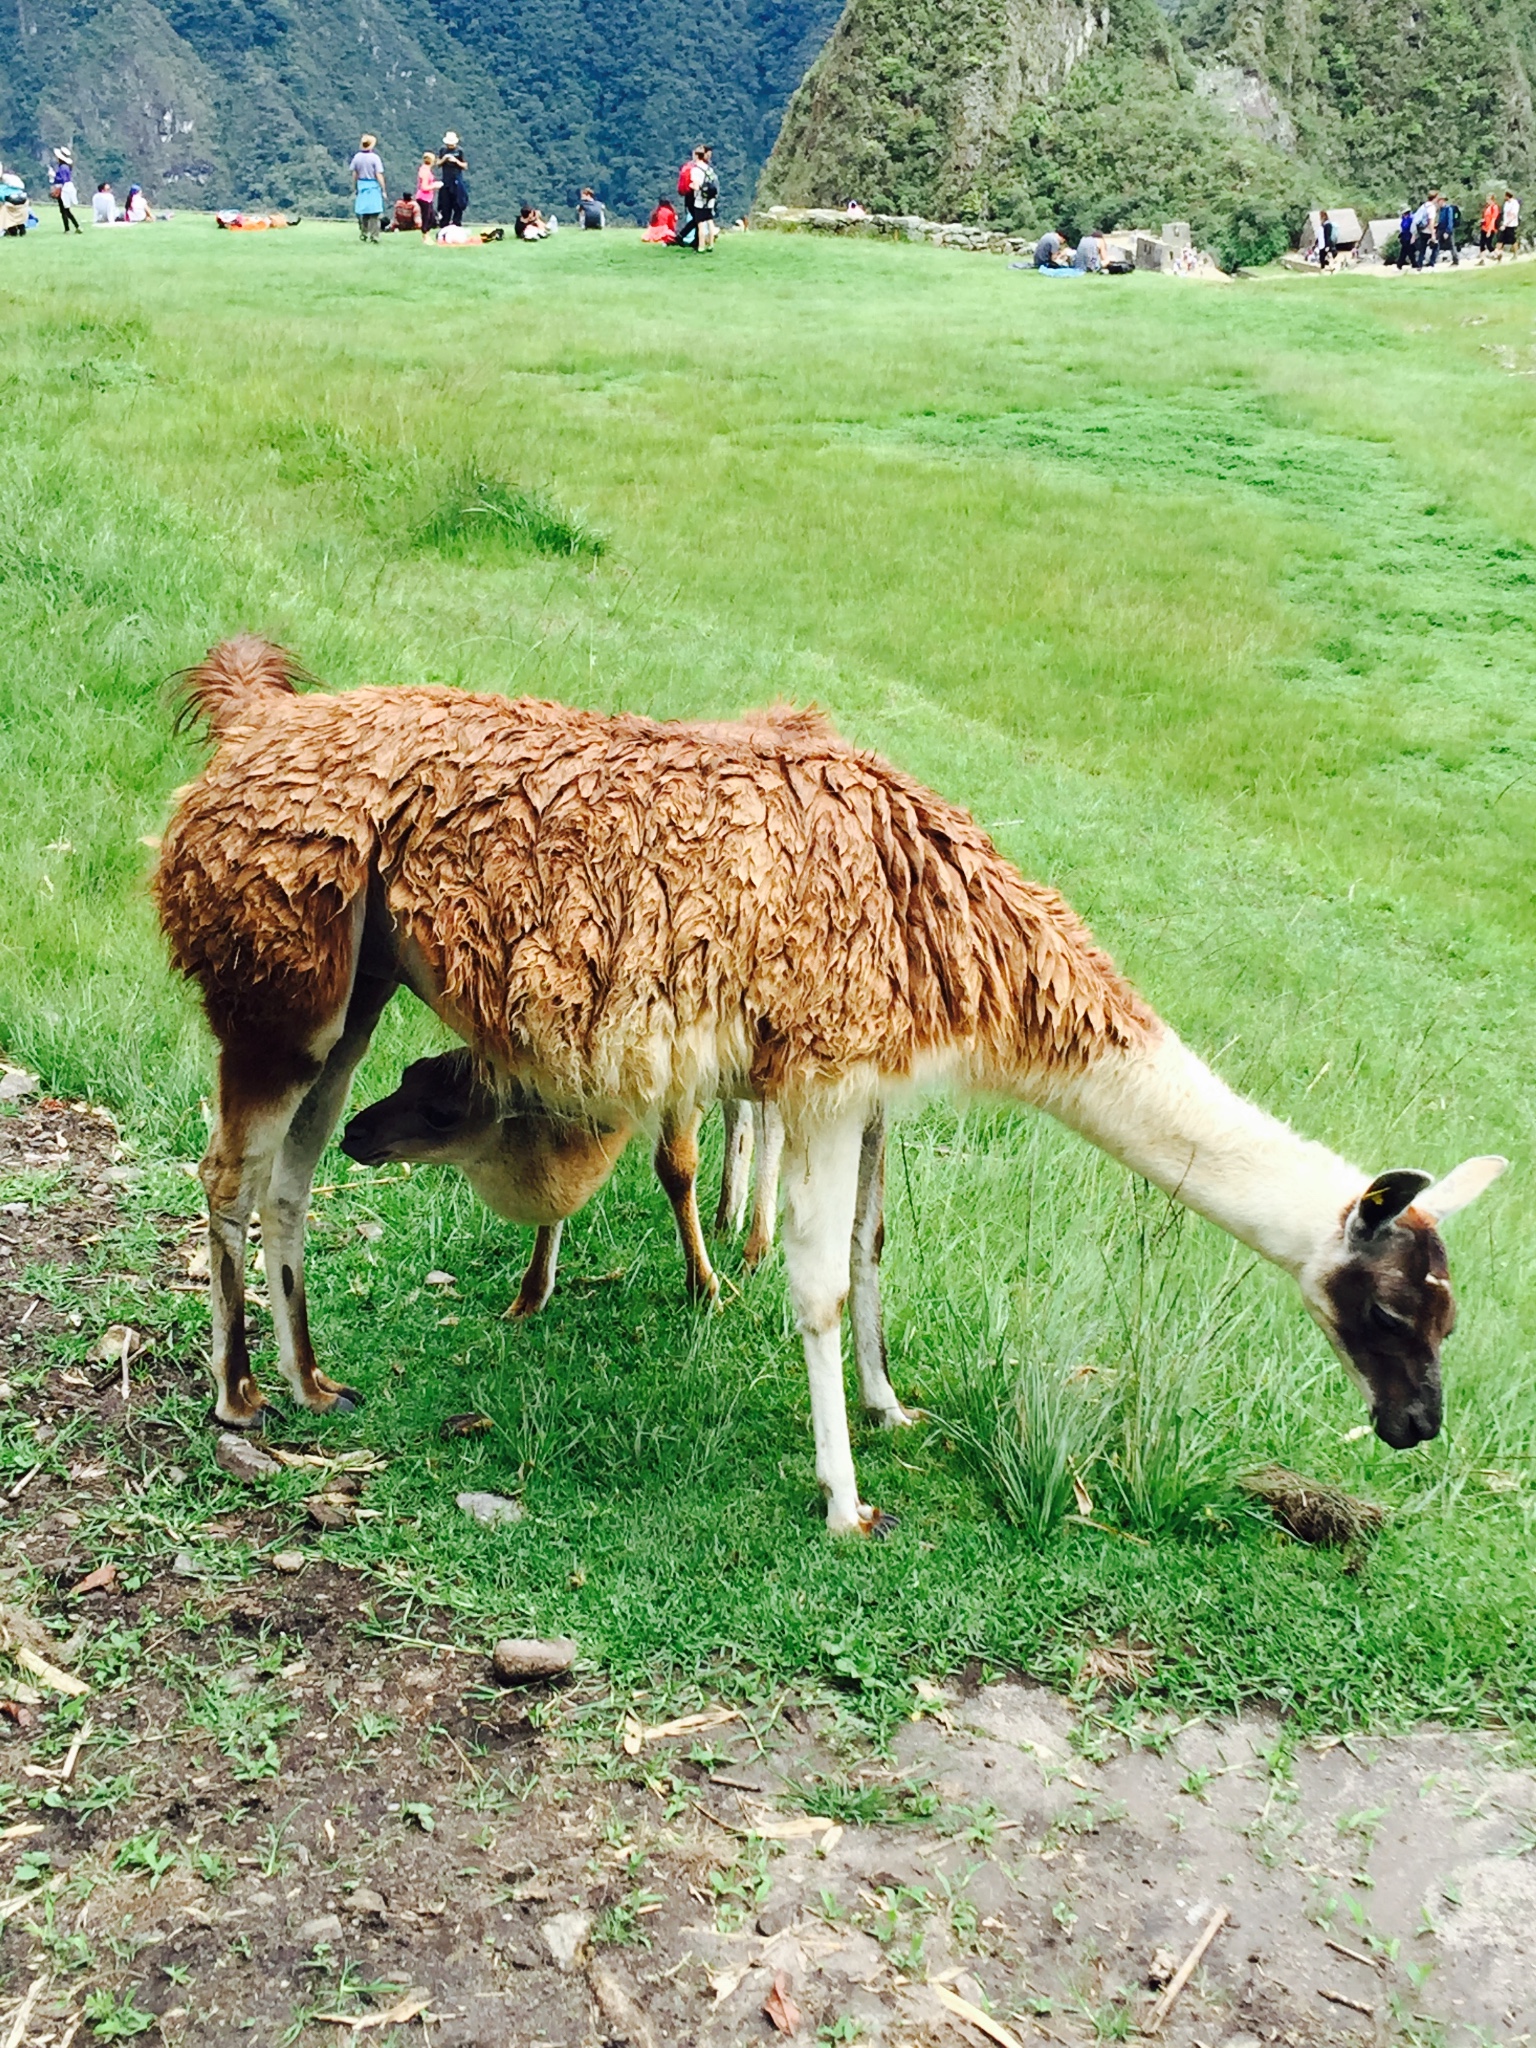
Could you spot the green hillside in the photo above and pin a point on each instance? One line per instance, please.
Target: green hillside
(239, 102)
(1235, 117)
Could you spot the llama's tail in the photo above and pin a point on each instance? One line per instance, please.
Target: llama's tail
(235, 683)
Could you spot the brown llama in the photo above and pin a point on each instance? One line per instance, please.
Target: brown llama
(631, 919)
(531, 1165)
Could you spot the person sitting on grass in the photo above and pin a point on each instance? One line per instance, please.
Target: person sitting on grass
(136, 206)
(1053, 250)
(1092, 253)
(531, 225)
(104, 206)
(663, 223)
(406, 219)
(589, 209)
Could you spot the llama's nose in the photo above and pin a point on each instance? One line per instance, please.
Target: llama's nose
(355, 1143)
(1410, 1422)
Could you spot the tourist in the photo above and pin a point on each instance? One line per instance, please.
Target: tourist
(530, 225)
(426, 191)
(1092, 253)
(406, 219)
(1424, 232)
(1326, 247)
(453, 196)
(663, 223)
(589, 209)
(1447, 215)
(63, 188)
(368, 189)
(1488, 229)
(1405, 237)
(856, 211)
(136, 206)
(103, 207)
(1509, 225)
(1053, 250)
(707, 194)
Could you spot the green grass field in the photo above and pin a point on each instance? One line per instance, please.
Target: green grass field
(1215, 605)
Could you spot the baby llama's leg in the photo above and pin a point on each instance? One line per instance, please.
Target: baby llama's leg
(735, 1173)
(769, 1125)
(539, 1280)
(677, 1168)
(820, 1197)
(875, 1389)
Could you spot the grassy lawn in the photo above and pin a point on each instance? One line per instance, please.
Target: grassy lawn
(1215, 606)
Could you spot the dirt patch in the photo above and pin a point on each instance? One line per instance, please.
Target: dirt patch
(288, 1795)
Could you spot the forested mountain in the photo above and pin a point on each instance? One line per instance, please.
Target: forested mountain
(246, 102)
(1234, 114)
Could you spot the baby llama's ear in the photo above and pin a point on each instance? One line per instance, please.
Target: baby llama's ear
(1462, 1185)
(1388, 1195)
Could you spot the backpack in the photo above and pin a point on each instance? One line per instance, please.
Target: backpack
(685, 180)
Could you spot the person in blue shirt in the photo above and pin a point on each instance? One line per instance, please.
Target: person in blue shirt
(1446, 217)
(1405, 238)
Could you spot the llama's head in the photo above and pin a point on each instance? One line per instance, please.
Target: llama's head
(441, 1114)
(1381, 1290)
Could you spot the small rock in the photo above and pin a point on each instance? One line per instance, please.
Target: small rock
(324, 1927)
(242, 1459)
(623, 2019)
(440, 1280)
(289, 1561)
(116, 1344)
(331, 1510)
(184, 1565)
(518, 1954)
(364, 1902)
(15, 1208)
(16, 1084)
(491, 1509)
(776, 1916)
(517, 1659)
(565, 1936)
(263, 1898)
(370, 1233)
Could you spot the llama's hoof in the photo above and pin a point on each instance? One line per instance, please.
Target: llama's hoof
(877, 1523)
(347, 1402)
(247, 1425)
(895, 1417)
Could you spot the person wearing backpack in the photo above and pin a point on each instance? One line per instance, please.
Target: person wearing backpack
(688, 179)
(1447, 214)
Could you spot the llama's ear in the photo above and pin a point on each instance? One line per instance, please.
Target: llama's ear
(1388, 1195)
(1462, 1185)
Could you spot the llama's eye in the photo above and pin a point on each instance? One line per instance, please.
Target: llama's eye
(1388, 1318)
(437, 1118)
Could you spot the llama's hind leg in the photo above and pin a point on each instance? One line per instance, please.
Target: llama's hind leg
(677, 1168)
(875, 1389)
(285, 1205)
(258, 1095)
(735, 1173)
(769, 1126)
(539, 1280)
(821, 1187)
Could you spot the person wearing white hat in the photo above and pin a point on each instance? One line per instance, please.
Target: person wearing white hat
(62, 185)
(454, 196)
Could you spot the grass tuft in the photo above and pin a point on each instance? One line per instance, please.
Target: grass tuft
(479, 512)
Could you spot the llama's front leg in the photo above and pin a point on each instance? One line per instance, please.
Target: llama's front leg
(677, 1168)
(820, 1198)
(735, 1181)
(285, 1206)
(769, 1126)
(875, 1389)
(539, 1280)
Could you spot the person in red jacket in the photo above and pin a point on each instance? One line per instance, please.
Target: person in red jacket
(663, 224)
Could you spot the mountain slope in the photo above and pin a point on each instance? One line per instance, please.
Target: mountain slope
(230, 102)
(1234, 114)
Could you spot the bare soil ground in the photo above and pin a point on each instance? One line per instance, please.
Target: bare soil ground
(299, 1815)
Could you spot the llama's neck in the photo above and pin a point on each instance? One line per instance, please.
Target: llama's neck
(1163, 1113)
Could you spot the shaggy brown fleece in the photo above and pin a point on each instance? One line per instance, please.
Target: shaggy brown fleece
(616, 909)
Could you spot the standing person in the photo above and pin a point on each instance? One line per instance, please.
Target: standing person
(1327, 245)
(1509, 225)
(368, 189)
(453, 196)
(1447, 216)
(1488, 229)
(689, 179)
(589, 209)
(1405, 237)
(706, 200)
(63, 187)
(426, 191)
(1424, 233)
